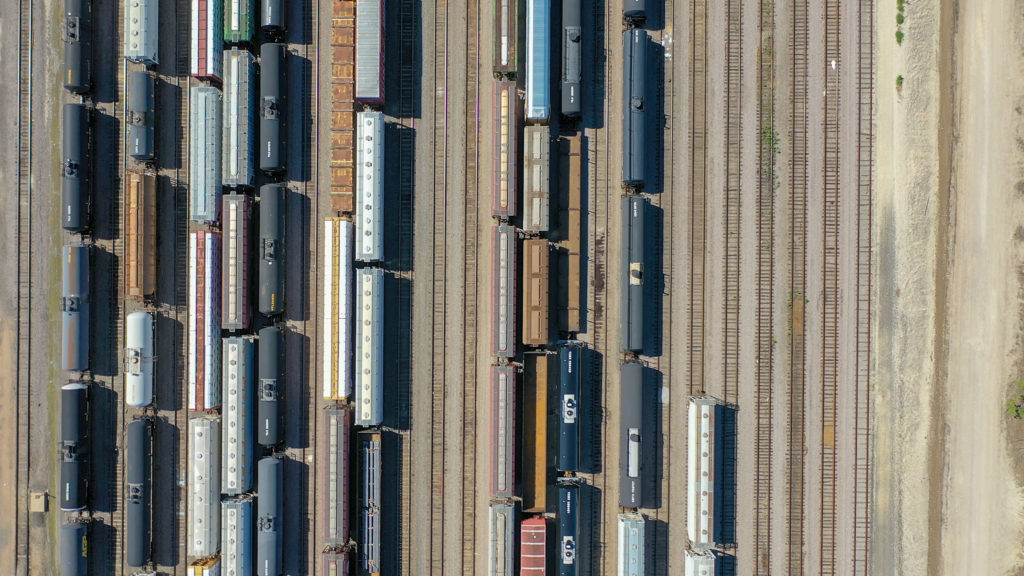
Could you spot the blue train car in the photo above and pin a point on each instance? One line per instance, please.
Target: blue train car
(77, 45)
(631, 436)
(269, 516)
(369, 502)
(74, 308)
(571, 360)
(631, 319)
(568, 530)
(538, 60)
(271, 377)
(138, 438)
(634, 113)
(74, 173)
(74, 446)
(73, 546)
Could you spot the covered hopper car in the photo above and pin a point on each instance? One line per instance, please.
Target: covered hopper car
(503, 431)
(538, 60)
(137, 536)
(77, 45)
(631, 545)
(205, 185)
(74, 308)
(369, 186)
(239, 146)
(571, 384)
(568, 530)
(369, 335)
(370, 52)
(634, 113)
(273, 59)
(74, 446)
(271, 379)
(269, 516)
(204, 487)
(271, 248)
(142, 31)
(74, 176)
(503, 293)
(138, 359)
(141, 113)
(237, 450)
(704, 497)
(701, 563)
(236, 307)
(634, 209)
(236, 538)
(502, 535)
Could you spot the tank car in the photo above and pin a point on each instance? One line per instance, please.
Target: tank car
(273, 58)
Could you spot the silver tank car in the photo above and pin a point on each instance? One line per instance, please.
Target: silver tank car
(75, 168)
(269, 516)
(138, 435)
(634, 113)
(634, 209)
(74, 446)
(141, 111)
(271, 248)
(138, 360)
(271, 378)
(273, 59)
(75, 308)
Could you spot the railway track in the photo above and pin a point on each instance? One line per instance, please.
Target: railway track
(731, 224)
(698, 191)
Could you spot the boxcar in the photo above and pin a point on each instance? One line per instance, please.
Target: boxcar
(343, 105)
(334, 449)
(571, 168)
(634, 113)
(236, 537)
(205, 567)
(370, 52)
(204, 342)
(632, 319)
(74, 309)
(334, 563)
(239, 17)
(502, 534)
(142, 31)
(705, 462)
(272, 17)
(572, 58)
(634, 12)
(140, 235)
(237, 453)
(536, 179)
(239, 144)
(73, 546)
(271, 378)
(568, 530)
(138, 437)
(338, 302)
(236, 309)
(74, 446)
(503, 293)
(535, 432)
(369, 503)
(204, 487)
(271, 249)
(631, 545)
(204, 161)
(273, 58)
(77, 45)
(533, 551)
(207, 39)
(506, 134)
(269, 516)
(503, 431)
(75, 182)
(535, 292)
(699, 563)
(138, 359)
(370, 352)
(571, 388)
(538, 60)
(141, 114)
(631, 436)
(370, 187)
(506, 38)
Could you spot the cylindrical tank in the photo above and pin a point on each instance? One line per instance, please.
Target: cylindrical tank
(271, 377)
(141, 110)
(73, 539)
(272, 107)
(77, 46)
(271, 248)
(74, 168)
(74, 445)
(75, 308)
(272, 17)
(137, 501)
(268, 517)
(138, 359)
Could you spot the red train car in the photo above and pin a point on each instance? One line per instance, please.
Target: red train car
(533, 547)
(207, 50)
(503, 431)
(506, 138)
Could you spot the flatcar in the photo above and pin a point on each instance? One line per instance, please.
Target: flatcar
(369, 355)
(333, 563)
(236, 538)
(75, 182)
(74, 308)
(207, 36)
(631, 326)
(538, 60)
(205, 139)
(337, 422)
(137, 536)
(634, 12)
(239, 145)
(269, 516)
(74, 446)
(272, 18)
(503, 432)
(533, 553)
(141, 114)
(503, 293)
(271, 250)
(572, 58)
(140, 235)
(506, 38)
(204, 340)
(631, 436)
(370, 52)
(204, 486)
(271, 379)
(369, 186)
(536, 179)
(138, 359)
(73, 546)
(237, 450)
(536, 253)
(236, 304)
(634, 113)
(705, 462)
(369, 503)
(339, 278)
(571, 388)
(142, 31)
(77, 45)
(535, 433)
(502, 535)
(568, 530)
(632, 548)
(239, 21)
(506, 137)
(273, 58)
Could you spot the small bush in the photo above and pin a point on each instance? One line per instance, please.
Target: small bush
(899, 18)
(899, 82)
(899, 37)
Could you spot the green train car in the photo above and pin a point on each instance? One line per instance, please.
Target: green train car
(239, 19)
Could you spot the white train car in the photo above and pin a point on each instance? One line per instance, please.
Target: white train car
(338, 278)
(502, 534)
(138, 360)
(705, 462)
(237, 449)
(207, 36)
(239, 145)
(236, 537)
(206, 117)
(204, 353)
(236, 263)
(701, 563)
(204, 487)
(205, 567)
(370, 351)
(369, 187)
(142, 31)
(631, 545)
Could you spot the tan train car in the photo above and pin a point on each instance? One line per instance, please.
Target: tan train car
(140, 235)
(536, 330)
(571, 167)
(535, 433)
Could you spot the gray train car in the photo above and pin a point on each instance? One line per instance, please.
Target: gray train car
(369, 503)
(271, 248)
(237, 450)
(142, 31)
(74, 446)
(272, 17)
(369, 339)
(269, 516)
(204, 160)
(273, 58)
(503, 293)
(239, 146)
(503, 431)
(369, 186)
(141, 112)
(568, 530)
(271, 378)
(536, 179)
(73, 542)
(77, 45)
(370, 52)
(74, 177)
(502, 540)
(334, 563)
(338, 349)
(334, 450)
(570, 359)
(704, 450)
(204, 487)
(632, 547)
(572, 58)
(138, 360)
(634, 12)
(137, 536)
(631, 436)
(74, 308)
(631, 318)
(634, 113)
(235, 306)
(701, 563)
(236, 537)
(538, 60)
(204, 339)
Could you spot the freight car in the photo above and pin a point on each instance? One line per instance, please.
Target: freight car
(571, 162)
(271, 378)
(370, 52)
(369, 503)
(535, 292)
(334, 563)
(140, 235)
(572, 58)
(631, 545)
(370, 352)
(239, 144)
(74, 308)
(205, 567)
(273, 58)
(75, 181)
(335, 475)
(204, 487)
(271, 248)
(236, 537)
(239, 18)
(141, 113)
(204, 160)
(506, 134)
(142, 31)
(77, 45)
(535, 432)
(137, 536)
(269, 516)
(138, 360)
(204, 342)
(503, 432)
(206, 61)
(338, 302)
(536, 179)
(502, 534)
(343, 105)
(631, 436)
(503, 293)
(533, 552)
(634, 12)
(568, 530)
(634, 116)
(704, 469)
(73, 546)
(699, 563)
(571, 388)
(506, 38)
(538, 60)
(631, 319)
(370, 187)
(272, 18)
(74, 446)
(236, 309)
(236, 450)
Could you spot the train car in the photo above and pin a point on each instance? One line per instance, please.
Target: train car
(206, 61)
(571, 161)
(572, 58)
(77, 45)
(272, 18)
(138, 360)
(634, 12)
(369, 503)
(74, 177)
(74, 308)
(538, 60)
(631, 436)
(503, 293)
(74, 446)
(506, 135)
(571, 388)
(701, 563)
(205, 567)
(204, 486)
(370, 187)
(631, 318)
(269, 516)
(370, 352)
(703, 470)
(140, 235)
(204, 341)
(273, 58)
(568, 530)
(506, 38)
(342, 91)
(236, 537)
(73, 542)
(239, 20)
(536, 179)
(338, 314)
(204, 160)
(533, 550)
(235, 305)
(535, 292)
(502, 534)
(535, 432)
(370, 52)
(141, 113)
(334, 450)
(239, 145)
(137, 536)
(237, 450)
(334, 563)
(271, 379)
(271, 248)
(634, 113)
(503, 432)
(142, 31)
(631, 545)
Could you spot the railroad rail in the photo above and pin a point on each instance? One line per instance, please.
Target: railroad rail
(733, 198)
(698, 191)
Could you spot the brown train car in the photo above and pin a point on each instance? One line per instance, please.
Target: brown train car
(571, 151)
(535, 432)
(535, 292)
(140, 235)
(343, 105)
